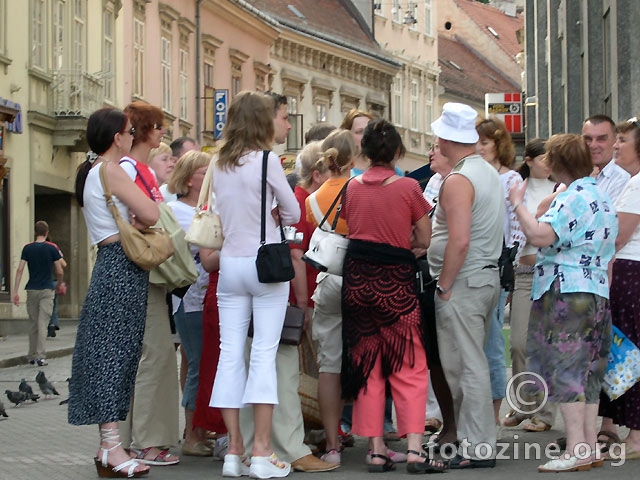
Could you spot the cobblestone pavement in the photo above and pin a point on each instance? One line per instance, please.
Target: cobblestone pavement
(36, 442)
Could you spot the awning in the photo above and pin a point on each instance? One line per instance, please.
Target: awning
(13, 111)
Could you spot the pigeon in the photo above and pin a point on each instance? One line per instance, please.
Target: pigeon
(3, 412)
(45, 385)
(25, 387)
(32, 396)
(16, 397)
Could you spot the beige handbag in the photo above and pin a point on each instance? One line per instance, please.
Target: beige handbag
(206, 228)
(147, 248)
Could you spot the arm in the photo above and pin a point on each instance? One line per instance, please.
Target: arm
(456, 198)
(538, 234)
(287, 201)
(299, 283)
(145, 210)
(16, 284)
(421, 235)
(627, 223)
(210, 259)
(548, 200)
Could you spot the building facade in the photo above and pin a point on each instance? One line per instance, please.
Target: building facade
(60, 60)
(581, 60)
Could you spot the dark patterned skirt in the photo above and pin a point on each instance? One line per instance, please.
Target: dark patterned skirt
(380, 312)
(625, 314)
(109, 339)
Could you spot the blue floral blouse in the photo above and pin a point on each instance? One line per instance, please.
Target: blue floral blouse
(586, 224)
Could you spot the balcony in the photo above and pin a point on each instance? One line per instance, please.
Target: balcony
(75, 94)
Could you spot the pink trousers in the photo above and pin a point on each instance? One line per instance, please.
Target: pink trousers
(408, 390)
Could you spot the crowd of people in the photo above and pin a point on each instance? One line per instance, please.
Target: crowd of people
(433, 348)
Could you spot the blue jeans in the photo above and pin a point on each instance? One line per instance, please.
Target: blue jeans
(54, 315)
(494, 350)
(189, 327)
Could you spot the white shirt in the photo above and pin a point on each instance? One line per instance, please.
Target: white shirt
(628, 203)
(238, 196)
(612, 179)
(195, 295)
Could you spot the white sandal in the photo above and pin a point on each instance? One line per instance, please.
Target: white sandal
(564, 464)
(112, 435)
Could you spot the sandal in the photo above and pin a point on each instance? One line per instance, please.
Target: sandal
(536, 425)
(125, 469)
(162, 459)
(388, 465)
(435, 445)
(425, 466)
(459, 462)
(610, 439)
(561, 464)
(513, 419)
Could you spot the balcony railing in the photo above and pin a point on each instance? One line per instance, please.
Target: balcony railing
(75, 93)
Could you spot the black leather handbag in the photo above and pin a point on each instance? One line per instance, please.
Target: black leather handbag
(292, 327)
(273, 261)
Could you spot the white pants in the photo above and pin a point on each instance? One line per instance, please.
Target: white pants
(240, 295)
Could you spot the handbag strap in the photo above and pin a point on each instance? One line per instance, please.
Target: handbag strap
(206, 188)
(333, 204)
(107, 193)
(263, 202)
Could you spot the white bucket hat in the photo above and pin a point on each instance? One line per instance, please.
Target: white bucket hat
(457, 123)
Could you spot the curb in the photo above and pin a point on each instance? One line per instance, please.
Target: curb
(24, 360)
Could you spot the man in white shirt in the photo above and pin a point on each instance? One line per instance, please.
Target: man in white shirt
(599, 132)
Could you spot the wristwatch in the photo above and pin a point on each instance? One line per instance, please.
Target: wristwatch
(442, 291)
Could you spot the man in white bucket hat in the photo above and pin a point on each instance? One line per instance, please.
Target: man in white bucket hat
(463, 257)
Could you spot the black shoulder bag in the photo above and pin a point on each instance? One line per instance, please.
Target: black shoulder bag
(273, 262)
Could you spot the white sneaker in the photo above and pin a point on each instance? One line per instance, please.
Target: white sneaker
(221, 447)
(268, 467)
(235, 466)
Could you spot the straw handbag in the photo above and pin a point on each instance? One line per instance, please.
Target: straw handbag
(308, 388)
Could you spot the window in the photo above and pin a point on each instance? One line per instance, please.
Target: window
(108, 54)
(208, 74)
(38, 35)
(428, 27)
(292, 105)
(79, 35)
(165, 68)
(321, 112)
(428, 107)
(414, 105)
(236, 79)
(184, 84)
(138, 57)
(395, 11)
(397, 100)
(3, 26)
(58, 34)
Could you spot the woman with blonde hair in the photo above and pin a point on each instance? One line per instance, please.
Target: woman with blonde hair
(237, 181)
(337, 152)
(496, 148)
(186, 180)
(162, 162)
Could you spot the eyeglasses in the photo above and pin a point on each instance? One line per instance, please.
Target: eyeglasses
(132, 131)
(435, 147)
(635, 121)
(158, 127)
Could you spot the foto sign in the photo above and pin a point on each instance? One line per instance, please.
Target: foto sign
(507, 107)
(220, 102)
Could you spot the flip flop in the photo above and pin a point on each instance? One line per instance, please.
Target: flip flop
(432, 425)
(536, 425)
(162, 459)
(381, 468)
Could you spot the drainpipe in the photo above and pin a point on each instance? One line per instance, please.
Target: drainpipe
(198, 99)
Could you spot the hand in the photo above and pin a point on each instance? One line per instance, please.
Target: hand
(61, 288)
(444, 296)
(419, 252)
(16, 300)
(516, 194)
